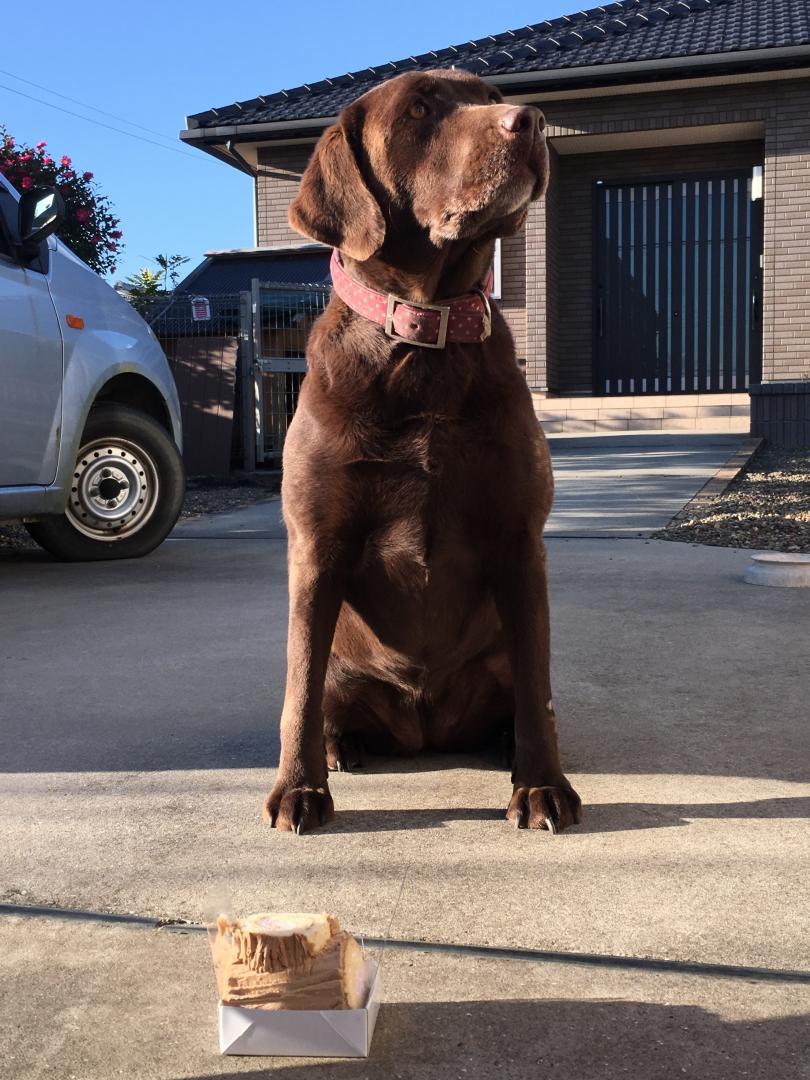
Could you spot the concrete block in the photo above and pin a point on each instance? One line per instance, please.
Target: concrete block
(647, 413)
(714, 399)
(579, 425)
(714, 423)
(681, 412)
(714, 410)
(647, 424)
(616, 424)
(679, 423)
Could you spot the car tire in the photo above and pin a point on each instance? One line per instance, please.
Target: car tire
(126, 491)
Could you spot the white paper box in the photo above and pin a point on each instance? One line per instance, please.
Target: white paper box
(302, 1032)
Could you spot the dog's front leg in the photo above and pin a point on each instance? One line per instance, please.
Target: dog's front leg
(542, 797)
(300, 799)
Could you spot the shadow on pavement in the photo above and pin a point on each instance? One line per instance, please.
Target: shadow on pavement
(601, 818)
(593, 1040)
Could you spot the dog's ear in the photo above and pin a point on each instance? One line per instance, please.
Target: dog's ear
(334, 204)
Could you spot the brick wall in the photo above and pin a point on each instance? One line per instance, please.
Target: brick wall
(554, 258)
(280, 170)
(536, 292)
(786, 283)
(513, 288)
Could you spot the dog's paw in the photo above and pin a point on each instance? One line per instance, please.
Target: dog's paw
(344, 753)
(552, 808)
(298, 809)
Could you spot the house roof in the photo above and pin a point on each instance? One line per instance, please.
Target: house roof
(226, 272)
(617, 33)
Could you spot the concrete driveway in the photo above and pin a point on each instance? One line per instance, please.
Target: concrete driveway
(139, 719)
(605, 486)
(620, 485)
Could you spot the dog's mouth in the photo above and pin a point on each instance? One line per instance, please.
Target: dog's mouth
(507, 182)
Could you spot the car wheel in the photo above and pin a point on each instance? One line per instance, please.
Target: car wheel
(126, 490)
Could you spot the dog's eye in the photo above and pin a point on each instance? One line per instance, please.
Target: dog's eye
(418, 110)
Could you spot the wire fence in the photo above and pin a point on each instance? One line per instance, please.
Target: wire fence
(176, 318)
(271, 325)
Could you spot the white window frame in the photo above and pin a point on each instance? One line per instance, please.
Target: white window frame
(496, 272)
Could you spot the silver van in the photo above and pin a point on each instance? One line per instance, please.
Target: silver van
(89, 417)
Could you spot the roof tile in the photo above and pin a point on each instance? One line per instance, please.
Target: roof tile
(613, 33)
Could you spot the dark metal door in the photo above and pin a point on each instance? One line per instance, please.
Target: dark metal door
(678, 285)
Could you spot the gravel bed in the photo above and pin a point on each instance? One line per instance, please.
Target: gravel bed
(218, 497)
(203, 496)
(767, 507)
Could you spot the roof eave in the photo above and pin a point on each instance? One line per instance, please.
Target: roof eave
(594, 76)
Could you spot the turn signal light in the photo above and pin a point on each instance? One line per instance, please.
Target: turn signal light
(75, 322)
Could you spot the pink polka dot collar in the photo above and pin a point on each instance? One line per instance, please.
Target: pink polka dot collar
(464, 318)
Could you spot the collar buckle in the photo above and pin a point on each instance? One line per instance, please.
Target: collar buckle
(444, 318)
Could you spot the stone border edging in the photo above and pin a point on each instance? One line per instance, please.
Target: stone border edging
(719, 483)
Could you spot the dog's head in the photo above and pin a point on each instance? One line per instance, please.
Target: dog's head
(436, 152)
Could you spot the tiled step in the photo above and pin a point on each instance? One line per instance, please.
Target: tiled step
(736, 424)
(675, 412)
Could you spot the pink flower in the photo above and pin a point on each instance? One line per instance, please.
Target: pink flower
(25, 183)
(66, 161)
(41, 145)
(9, 141)
(25, 157)
(96, 239)
(82, 215)
(112, 247)
(116, 235)
(47, 160)
(87, 176)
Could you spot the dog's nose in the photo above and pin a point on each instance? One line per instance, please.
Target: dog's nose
(522, 118)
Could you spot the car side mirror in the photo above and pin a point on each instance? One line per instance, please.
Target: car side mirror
(40, 212)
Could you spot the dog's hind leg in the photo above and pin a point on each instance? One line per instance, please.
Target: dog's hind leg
(367, 715)
(344, 752)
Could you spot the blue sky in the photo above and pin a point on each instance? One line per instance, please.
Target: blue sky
(153, 63)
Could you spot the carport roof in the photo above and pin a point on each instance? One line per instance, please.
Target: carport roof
(224, 272)
(612, 34)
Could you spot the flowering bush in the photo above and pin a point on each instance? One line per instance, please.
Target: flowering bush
(90, 229)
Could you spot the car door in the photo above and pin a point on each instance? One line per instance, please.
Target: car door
(30, 364)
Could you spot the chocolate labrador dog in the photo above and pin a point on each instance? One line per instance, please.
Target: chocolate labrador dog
(416, 477)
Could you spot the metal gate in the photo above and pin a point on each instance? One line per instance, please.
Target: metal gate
(282, 317)
(678, 284)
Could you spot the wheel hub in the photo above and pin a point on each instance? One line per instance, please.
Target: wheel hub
(114, 489)
(111, 487)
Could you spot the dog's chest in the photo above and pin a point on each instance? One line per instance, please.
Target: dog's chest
(421, 499)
